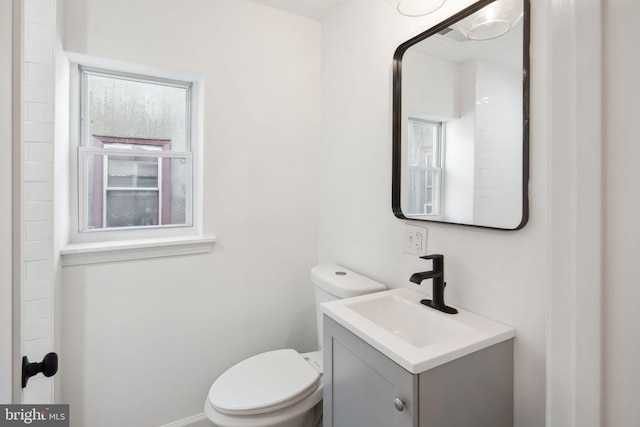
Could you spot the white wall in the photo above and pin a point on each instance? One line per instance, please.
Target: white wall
(6, 38)
(621, 271)
(497, 274)
(434, 86)
(143, 340)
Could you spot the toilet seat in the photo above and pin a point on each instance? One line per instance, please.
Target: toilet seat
(264, 383)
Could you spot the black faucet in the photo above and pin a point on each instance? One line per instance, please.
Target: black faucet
(437, 274)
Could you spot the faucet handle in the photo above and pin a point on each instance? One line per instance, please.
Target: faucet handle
(433, 256)
(438, 261)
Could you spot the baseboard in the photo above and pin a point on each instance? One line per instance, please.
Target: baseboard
(193, 421)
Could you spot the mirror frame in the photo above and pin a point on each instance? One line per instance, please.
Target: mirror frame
(397, 112)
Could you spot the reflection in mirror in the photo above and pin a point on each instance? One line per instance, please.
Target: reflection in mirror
(460, 119)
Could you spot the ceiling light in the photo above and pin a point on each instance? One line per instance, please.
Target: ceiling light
(417, 7)
(492, 21)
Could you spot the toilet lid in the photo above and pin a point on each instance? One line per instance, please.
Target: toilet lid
(264, 383)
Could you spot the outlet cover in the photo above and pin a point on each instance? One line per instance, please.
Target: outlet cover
(415, 240)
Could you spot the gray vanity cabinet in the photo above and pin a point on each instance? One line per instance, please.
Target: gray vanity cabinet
(364, 388)
(361, 384)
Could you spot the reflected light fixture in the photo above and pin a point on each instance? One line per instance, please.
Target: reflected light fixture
(494, 20)
(417, 7)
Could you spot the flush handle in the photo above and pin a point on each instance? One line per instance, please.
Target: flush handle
(399, 404)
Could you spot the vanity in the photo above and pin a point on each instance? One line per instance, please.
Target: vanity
(460, 134)
(390, 361)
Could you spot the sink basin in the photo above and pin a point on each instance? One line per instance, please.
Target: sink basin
(408, 321)
(414, 336)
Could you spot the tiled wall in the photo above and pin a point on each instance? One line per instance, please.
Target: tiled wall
(498, 149)
(37, 190)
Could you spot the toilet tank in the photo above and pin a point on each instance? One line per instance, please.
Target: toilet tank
(333, 282)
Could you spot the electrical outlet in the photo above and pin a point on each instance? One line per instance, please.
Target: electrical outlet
(415, 240)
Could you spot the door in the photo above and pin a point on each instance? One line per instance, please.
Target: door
(6, 30)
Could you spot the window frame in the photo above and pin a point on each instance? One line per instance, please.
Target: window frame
(437, 202)
(133, 236)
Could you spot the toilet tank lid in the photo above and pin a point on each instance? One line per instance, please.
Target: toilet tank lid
(342, 282)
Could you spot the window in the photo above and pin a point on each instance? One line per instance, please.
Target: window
(424, 167)
(134, 157)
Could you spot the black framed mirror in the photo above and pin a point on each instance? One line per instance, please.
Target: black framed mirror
(461, 119)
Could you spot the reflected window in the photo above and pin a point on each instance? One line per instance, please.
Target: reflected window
(424, 167)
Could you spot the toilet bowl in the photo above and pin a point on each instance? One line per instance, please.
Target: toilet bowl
(283, 388)
(278, 388)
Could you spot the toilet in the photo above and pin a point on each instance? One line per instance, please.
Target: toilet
(283, 388)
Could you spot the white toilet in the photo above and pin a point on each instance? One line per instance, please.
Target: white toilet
(283, 388)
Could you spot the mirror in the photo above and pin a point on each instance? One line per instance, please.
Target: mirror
(460, 119)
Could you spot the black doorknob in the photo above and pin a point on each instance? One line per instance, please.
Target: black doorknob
(48, 367)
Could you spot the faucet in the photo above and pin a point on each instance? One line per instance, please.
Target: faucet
(437, 274)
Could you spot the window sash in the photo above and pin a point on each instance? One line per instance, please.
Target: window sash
(86, 71)
(87, 156)
(433, 158)
(429, 194)
(424, 198)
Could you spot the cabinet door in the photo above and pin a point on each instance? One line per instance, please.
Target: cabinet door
(361, 385)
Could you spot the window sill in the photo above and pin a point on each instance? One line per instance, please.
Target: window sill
(93, 253)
